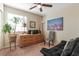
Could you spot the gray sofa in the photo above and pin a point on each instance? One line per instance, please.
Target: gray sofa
(71, 48)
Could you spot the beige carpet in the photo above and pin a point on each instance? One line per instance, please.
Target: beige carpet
(33, 50)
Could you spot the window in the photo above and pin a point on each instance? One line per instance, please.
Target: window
(19, 26)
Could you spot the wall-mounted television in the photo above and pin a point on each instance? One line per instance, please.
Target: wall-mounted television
(55, 24)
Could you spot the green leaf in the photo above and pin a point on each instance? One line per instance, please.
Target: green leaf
(7, 28)
(16, 20)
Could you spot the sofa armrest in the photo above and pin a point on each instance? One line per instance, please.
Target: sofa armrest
(44, 51)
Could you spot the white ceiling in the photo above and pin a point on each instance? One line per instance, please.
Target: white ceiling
(46, 10)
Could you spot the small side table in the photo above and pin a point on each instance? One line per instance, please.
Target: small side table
(49, 42)
(12, 39)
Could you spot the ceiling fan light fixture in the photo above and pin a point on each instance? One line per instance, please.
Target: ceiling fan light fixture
(39, 6)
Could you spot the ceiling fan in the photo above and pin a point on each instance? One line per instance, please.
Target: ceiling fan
(40, 5)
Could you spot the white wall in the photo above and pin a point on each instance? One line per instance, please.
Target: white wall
(1, 25)
(70, 12)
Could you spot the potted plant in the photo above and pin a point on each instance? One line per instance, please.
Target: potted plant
(7, 28)
(15, 20)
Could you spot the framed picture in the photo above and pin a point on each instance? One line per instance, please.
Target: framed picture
(32, 24)
(55, 24)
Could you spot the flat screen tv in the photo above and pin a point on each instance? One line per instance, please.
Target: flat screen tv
(55, 24)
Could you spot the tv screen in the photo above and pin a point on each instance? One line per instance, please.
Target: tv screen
(55, 24)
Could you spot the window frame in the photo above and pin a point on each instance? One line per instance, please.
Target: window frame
(22, 29)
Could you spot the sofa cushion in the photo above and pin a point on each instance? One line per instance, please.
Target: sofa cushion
(69, 48)
(57, 53)
(76, 49)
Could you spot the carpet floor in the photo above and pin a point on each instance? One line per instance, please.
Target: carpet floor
(33, 50)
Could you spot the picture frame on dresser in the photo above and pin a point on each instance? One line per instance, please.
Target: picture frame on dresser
(32, 24)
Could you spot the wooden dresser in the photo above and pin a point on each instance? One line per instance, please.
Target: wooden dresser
(27, 40)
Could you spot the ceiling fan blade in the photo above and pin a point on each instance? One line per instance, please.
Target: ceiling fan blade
(37, 3)
(41, 9)
(32, 7)
(47, 5)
